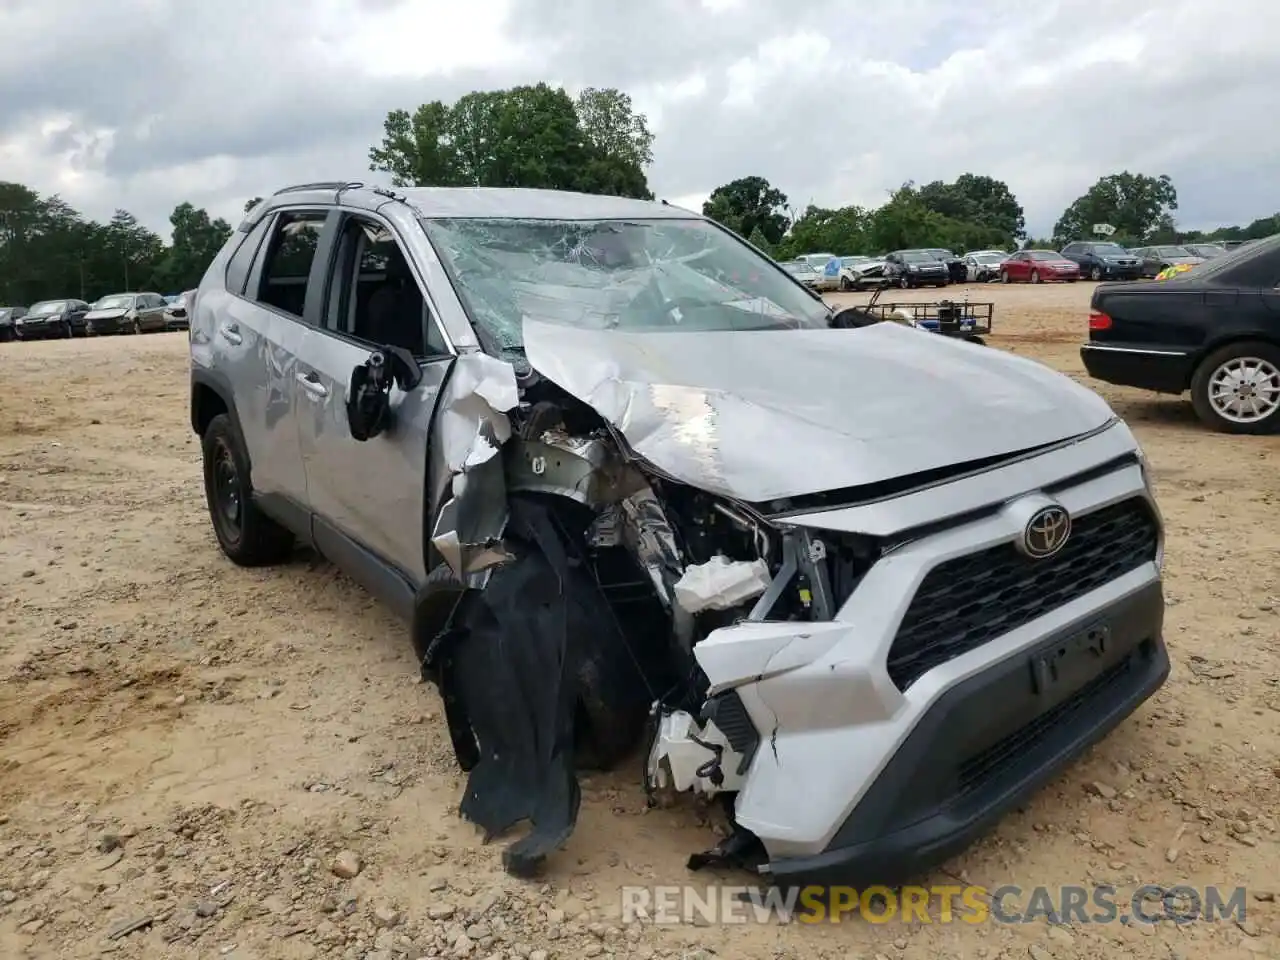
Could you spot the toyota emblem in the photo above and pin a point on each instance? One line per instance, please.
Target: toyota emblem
(1046, 532)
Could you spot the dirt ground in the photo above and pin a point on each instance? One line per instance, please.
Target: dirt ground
(188, 747)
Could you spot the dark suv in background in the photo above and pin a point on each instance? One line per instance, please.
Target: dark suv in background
(1103, 260)
(916, 268)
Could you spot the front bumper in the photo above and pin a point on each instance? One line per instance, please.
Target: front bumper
(987, 745)
(38, 329)
(1161, 369)
(1112, 271)
(871, 725)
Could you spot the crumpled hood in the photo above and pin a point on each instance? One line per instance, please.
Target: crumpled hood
(763, 415)
(112, 314)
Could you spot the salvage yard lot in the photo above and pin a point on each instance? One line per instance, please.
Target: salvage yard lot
(190, 745)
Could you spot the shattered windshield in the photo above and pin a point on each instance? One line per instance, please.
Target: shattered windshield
(633, 275)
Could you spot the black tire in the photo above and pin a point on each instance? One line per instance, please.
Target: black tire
(246, 535)
(904, 282)
(137, 328)
(944, 283)
(845, 285)
(1004, 276)
(1202, 381)
(67, 330)
(1095, 272)
(1035, 276)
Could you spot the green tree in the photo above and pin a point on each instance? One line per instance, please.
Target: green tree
(748, 203)
(977, 199)
(196, 240)
(527, 136)
(1137, 205)
(818, 229)
(612, 126)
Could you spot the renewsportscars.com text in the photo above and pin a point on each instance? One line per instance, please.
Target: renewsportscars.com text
(1007, 904)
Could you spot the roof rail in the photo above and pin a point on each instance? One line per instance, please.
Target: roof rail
(338, 185)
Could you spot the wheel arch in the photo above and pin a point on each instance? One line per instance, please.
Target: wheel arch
(1226, 340)
(211, 395)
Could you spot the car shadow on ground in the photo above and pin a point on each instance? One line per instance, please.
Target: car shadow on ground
(1157, 409)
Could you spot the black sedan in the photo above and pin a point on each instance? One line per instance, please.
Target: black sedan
(1213, 331)
(51, 318)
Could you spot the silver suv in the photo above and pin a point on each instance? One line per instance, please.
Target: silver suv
(626, 478)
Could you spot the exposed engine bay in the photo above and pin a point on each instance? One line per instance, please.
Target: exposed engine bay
(572, 620)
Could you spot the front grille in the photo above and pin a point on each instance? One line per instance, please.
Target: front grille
(966, 602)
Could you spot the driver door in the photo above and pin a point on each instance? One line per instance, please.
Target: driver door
(368, 499)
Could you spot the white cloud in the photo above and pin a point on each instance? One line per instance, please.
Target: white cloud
(835, 103)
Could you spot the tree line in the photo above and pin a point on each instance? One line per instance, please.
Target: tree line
(48, 250)
(595, 142)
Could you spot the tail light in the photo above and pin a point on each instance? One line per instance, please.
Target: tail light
(1099, 320)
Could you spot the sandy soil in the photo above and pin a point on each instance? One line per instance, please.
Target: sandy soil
(190, 745)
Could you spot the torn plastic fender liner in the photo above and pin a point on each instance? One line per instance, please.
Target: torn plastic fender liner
(514, 661)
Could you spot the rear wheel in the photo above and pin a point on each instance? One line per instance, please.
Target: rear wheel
(246, 535)
(1236, 389)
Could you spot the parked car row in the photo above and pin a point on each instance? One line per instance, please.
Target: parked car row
(933, 266)
(118, 313)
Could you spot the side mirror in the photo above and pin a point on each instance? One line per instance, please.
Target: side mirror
(369, 393)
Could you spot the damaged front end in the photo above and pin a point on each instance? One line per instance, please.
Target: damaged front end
(572, 584)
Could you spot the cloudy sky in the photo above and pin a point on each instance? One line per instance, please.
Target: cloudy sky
(142, 104)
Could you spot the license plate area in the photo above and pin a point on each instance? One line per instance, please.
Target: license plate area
(1064, 667)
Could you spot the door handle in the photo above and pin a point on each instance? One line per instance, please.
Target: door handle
(311, 383)
(231, 333)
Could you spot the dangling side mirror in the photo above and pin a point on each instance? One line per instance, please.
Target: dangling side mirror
(369, 392)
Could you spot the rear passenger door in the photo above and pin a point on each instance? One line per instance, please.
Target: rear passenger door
(369, 498)
(151, 311)
(277, 288)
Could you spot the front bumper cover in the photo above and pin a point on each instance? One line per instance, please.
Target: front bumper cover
(990, 742)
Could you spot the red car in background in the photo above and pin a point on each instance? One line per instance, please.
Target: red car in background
(1038, 266)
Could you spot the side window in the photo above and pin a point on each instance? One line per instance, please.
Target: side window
(242, 260)
(287, 265)
(374, 296)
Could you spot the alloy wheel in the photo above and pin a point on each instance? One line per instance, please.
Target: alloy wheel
(1245, 389)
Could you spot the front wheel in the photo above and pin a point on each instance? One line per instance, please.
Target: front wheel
(904, 283)
(1035, 276)
(1004, 276)
(67, 331)
(1236, 389)
(137, 328)
(246, 535)
(1095, 273)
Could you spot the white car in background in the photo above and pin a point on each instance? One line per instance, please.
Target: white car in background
(803, 271)
(984, 265)
(826, 266)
